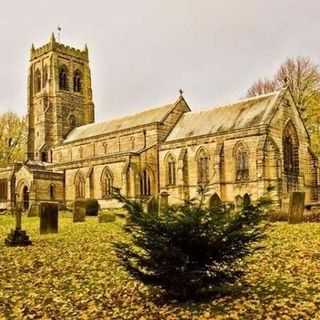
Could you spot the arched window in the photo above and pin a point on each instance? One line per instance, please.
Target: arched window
(44, 156)
(106, 183)
(241, 155)
(37, 81)
(290, 147)
(45, 76)
(203, 167)
(290, 151)
(52, 192)
(63, 78)
(77, 81)
(79, 186)
(171, 170)
(72, 121)
(145, 183)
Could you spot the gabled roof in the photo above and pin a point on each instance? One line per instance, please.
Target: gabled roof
(139, 119)
(239, 115)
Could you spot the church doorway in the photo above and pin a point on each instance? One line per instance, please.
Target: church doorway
(25, 198)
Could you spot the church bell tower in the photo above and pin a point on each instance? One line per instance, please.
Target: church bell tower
(59, 96)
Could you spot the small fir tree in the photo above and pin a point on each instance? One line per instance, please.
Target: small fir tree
(189, 250)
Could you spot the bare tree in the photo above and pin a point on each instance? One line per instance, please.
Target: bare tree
(13, 138)
(262, 86)
(301, 77)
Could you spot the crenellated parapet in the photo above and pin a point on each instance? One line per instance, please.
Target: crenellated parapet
(55, 46)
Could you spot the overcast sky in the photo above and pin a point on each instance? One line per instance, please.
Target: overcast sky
(143, 51)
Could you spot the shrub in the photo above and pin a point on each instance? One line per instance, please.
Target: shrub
(188, 250)
(275, 215)
(105, 217)
(311, 215)
(91, 206)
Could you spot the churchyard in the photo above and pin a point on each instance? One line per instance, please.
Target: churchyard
(75, 274)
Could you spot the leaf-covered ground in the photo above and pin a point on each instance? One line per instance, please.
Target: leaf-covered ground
(75, 275)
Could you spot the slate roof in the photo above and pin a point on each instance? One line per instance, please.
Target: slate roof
(142, 118)
(239, 115)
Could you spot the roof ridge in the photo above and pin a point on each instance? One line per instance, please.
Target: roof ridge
(244, 100)
(126, 116)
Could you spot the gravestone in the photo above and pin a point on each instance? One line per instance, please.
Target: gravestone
(246, 201)
(153, 205)
(215, 201)
(18, 237)
(296, 207)
(238, 201)
(34, 210)
(284, 208)
(79, 212)
(48, 217)
(164, 200)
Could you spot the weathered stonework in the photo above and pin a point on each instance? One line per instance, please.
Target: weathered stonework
(247, 147)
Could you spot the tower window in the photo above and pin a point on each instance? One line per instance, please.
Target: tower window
(37, 81)
(72, 121)
(52, 192)
(77, 81)
(45, 76)
(63, 78)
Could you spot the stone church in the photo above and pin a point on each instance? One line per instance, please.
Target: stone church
(244, 147)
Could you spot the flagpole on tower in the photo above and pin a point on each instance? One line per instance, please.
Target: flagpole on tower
(59, 32)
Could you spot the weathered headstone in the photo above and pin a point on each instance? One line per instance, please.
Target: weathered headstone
(164, 200)
(238, 201)
(34, 210)
(215, 201)
(153, 205)
(296, 207)
(48, 217)
(79, 212)
(246, 200)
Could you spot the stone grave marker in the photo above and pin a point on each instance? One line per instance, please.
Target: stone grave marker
(215, 201)
(34, 210)
(164, 200)
(48, 217)
(296, 207)
(246, 200)
(79, 212)
(18, 237)
(153, 205)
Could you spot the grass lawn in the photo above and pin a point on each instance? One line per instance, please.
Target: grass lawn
(75, 275)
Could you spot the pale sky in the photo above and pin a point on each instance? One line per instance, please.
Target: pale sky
(143, 51)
